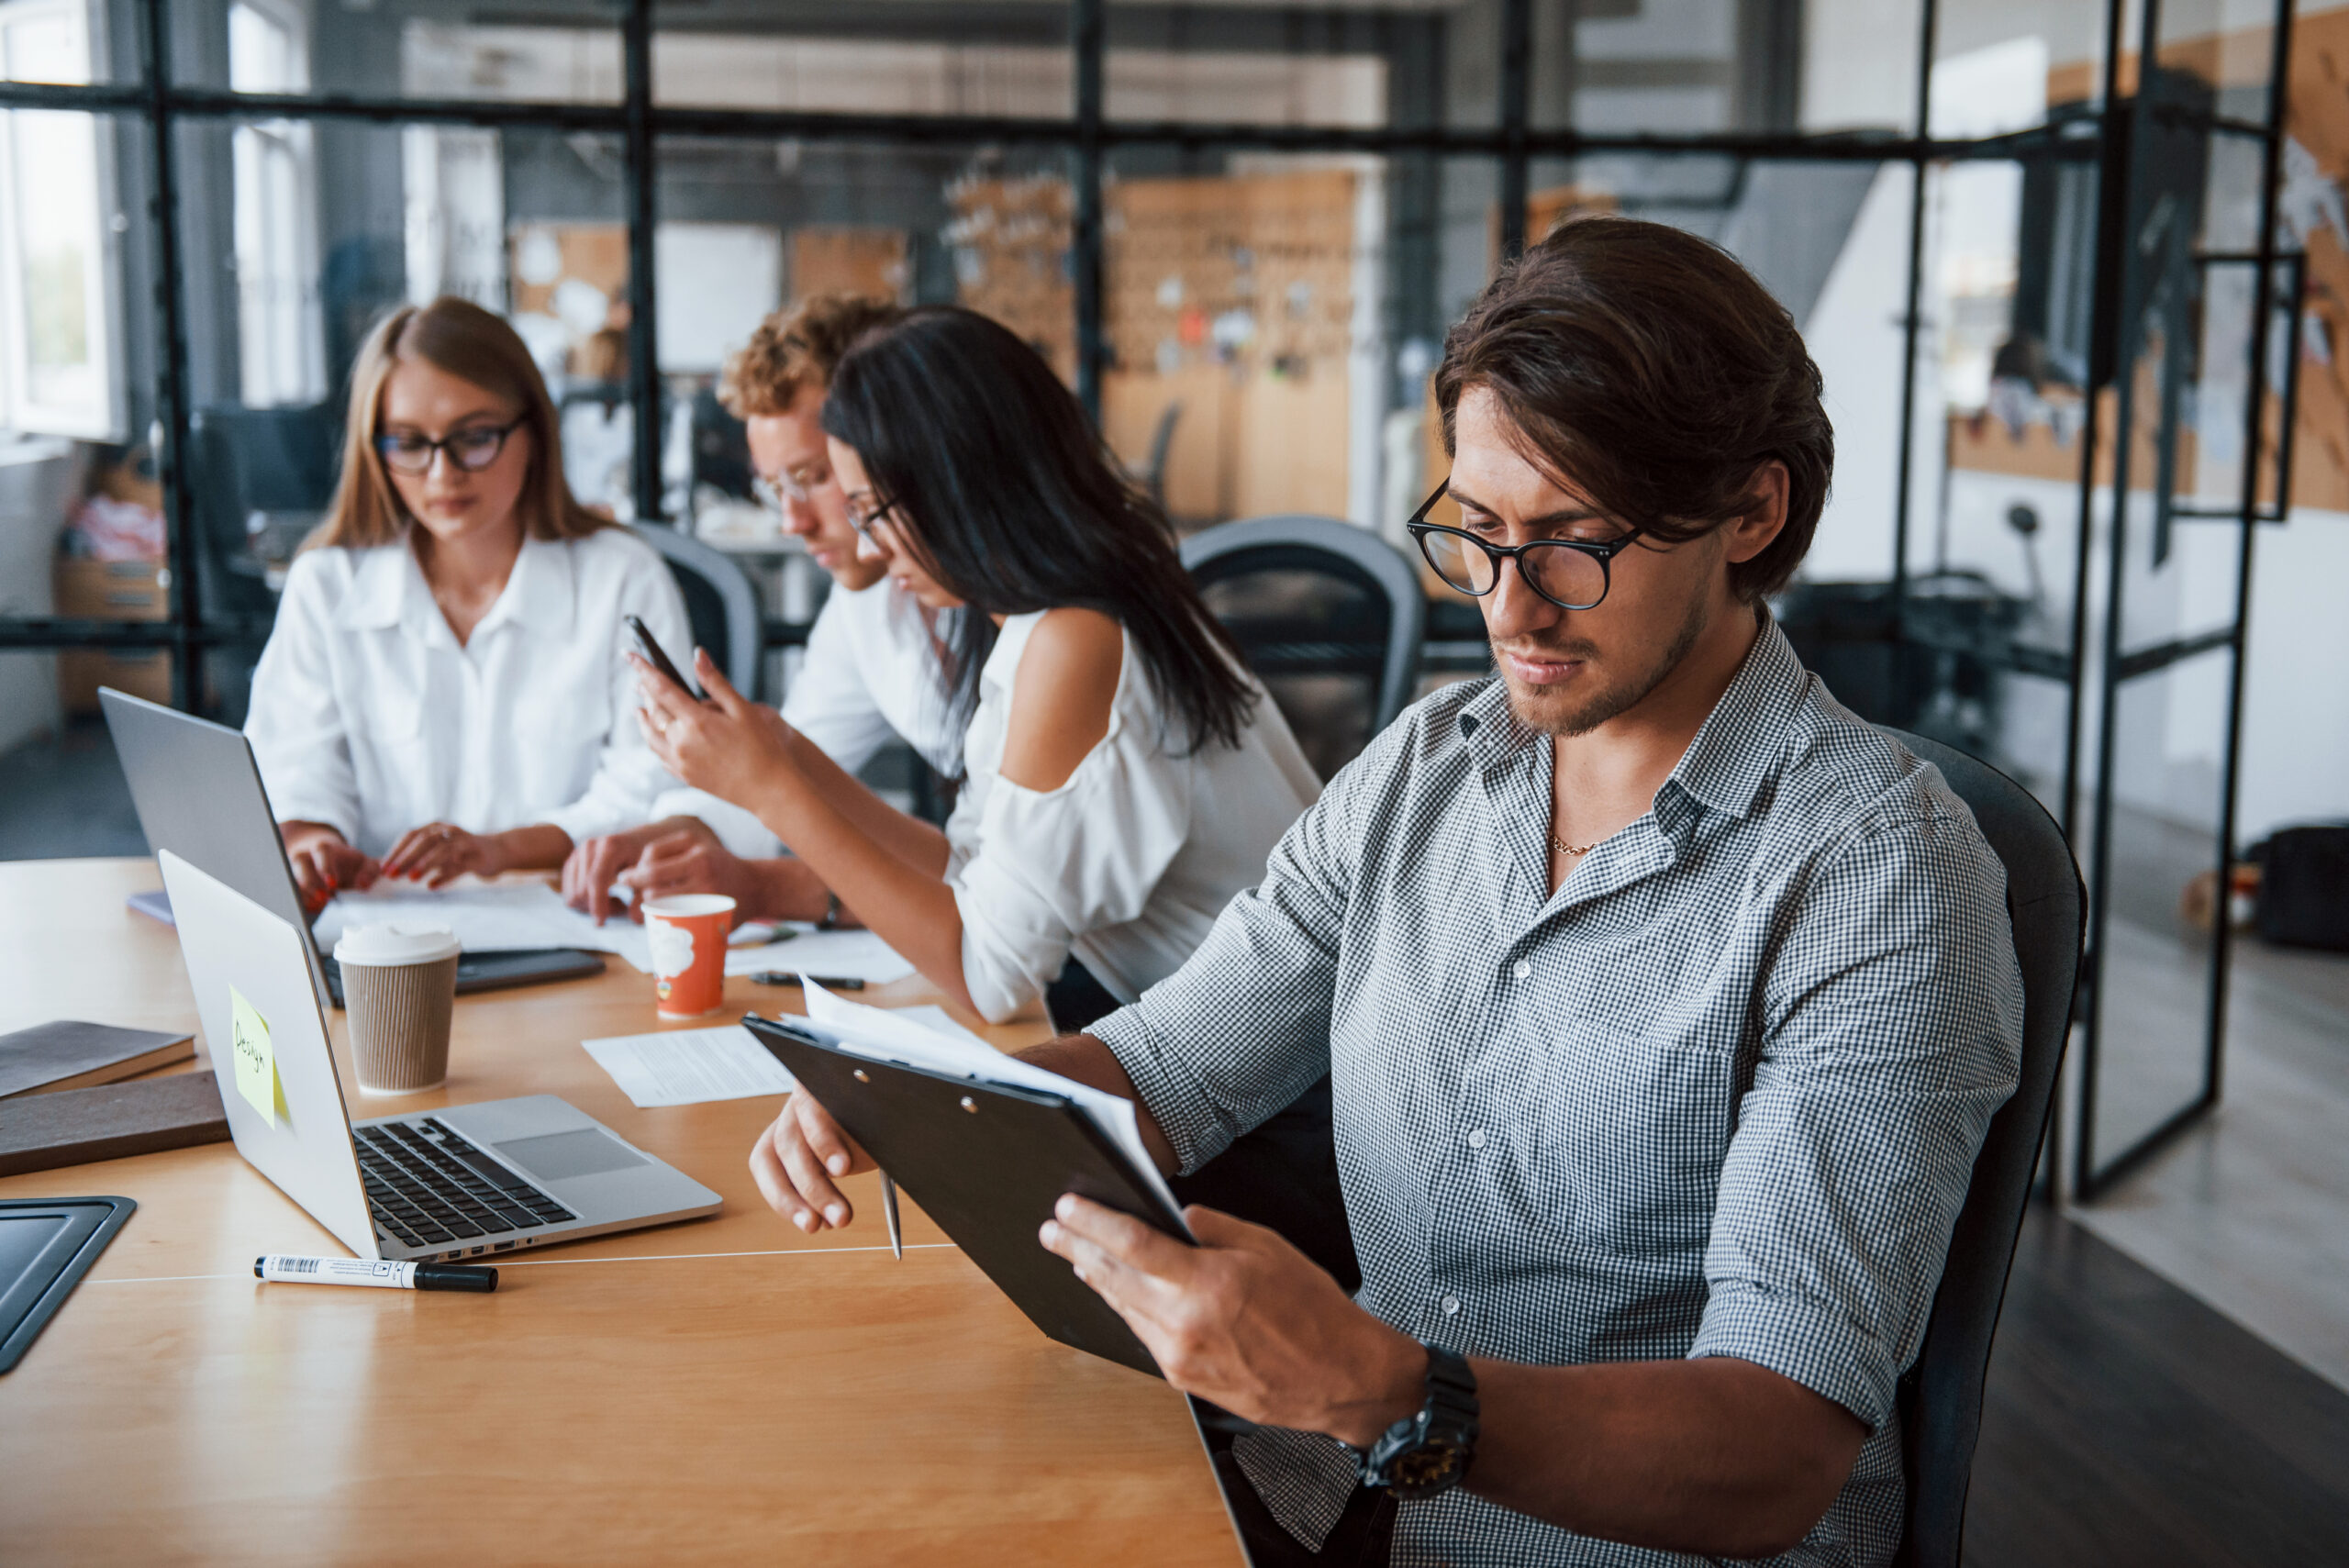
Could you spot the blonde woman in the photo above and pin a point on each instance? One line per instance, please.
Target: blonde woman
(444, 690)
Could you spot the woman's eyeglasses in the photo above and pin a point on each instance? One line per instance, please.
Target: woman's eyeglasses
(1572, 574)
(868, 515)
(473, 449)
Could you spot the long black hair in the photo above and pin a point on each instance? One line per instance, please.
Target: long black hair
(1009, 498)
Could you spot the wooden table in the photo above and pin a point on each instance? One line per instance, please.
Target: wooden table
(718, 1390)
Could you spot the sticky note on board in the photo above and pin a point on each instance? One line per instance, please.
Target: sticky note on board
(256, 1064)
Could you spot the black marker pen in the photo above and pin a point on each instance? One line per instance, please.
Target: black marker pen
(381, 1273)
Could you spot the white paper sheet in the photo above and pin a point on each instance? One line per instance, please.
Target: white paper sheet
(893, 1036)
(690, 1067)
(486, 916)
(936, 1017)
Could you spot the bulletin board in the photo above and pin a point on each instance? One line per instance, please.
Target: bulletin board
(865, 264)
(1010, 241)
(1233, 297)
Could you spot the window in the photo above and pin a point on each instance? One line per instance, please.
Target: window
(281, 352)
(58, 374)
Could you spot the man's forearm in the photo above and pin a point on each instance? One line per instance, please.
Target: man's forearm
(1717, 1457)
(1087, 1059)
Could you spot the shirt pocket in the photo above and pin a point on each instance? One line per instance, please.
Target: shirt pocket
(1630, 1140)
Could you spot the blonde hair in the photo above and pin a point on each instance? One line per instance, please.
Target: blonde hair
(462, 338)
(794, 350)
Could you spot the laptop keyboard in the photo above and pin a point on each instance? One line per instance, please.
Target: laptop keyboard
(429, 1188)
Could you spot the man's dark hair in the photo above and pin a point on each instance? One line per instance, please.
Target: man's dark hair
(1649, 368)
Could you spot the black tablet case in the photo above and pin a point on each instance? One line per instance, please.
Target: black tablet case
(46, 1246)
(987, 1162)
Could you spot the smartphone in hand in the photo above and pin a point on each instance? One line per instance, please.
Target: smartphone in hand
(660, 661)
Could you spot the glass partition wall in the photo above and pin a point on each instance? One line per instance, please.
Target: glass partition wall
(2020, 239)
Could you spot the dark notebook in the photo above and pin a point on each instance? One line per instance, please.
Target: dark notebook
(987, 1162)
(39, 1132)
(68, 1054)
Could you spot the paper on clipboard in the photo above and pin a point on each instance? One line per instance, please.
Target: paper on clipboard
(889, 1038)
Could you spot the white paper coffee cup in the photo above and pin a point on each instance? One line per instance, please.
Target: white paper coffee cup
(399, 987)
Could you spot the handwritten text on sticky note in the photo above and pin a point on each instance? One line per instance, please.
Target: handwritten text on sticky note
(256, 1064)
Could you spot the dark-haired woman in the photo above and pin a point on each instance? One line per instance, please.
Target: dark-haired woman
(1124, 775)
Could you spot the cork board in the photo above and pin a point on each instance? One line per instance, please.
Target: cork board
(868, 263)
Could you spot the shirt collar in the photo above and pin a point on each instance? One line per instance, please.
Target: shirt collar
(1738, 749)
(1742, 743)
(388, 583)
(379, 587)
(539, 594)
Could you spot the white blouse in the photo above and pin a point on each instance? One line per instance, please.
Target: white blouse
(871, 677)
(1126, 864)
(367, 713)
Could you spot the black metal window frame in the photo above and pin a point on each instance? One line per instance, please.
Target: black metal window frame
(1086, 133)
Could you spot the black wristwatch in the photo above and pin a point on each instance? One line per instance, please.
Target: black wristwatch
(831, 920)
(1428, 1454)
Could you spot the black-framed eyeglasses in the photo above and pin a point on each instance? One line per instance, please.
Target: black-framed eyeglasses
(1572, 574)
(866, 516)
(473, 449)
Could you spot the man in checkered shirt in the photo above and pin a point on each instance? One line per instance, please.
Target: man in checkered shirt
(1666, 1004)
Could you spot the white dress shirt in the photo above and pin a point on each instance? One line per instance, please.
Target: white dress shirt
(1130, 862)
(871, 677)
(367, 713)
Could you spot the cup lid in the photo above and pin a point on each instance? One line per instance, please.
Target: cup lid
(398, 943)
(686, 906)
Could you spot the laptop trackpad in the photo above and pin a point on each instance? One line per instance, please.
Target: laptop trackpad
(558, 1156)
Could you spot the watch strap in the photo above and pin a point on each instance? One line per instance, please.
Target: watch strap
(1426, 1455)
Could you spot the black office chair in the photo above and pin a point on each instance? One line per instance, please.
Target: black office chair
(1941, 1396)
(251, 461)
(1330, 617)
(720, 603)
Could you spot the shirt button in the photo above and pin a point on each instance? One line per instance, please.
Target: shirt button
(1521, 969)
(1476, 1138)
(1451, 1305)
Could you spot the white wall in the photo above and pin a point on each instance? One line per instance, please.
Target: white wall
(2296, 700)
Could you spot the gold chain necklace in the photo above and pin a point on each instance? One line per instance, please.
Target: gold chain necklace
(1565, 849)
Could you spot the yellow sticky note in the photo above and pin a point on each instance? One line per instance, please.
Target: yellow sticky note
(256, 1064)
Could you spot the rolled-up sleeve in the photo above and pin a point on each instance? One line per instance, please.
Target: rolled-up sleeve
(1242, 1029)
(1893, 1029)
(295, 722)
(628, 778)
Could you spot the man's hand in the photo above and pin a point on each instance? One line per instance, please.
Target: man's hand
(794, 1163)
(324, 864)
(590, 870)
(1245, 1320)
(693, 859)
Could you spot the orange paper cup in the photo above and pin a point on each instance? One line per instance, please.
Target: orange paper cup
(689, 939)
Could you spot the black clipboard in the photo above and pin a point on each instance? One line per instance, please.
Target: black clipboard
(987, 1162)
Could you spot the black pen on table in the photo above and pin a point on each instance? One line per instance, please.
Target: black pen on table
(793, 977)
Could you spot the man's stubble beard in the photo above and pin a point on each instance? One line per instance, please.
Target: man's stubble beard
(1614, 701)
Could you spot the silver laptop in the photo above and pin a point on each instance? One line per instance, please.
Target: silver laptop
(199, 796)
(463, 1182)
